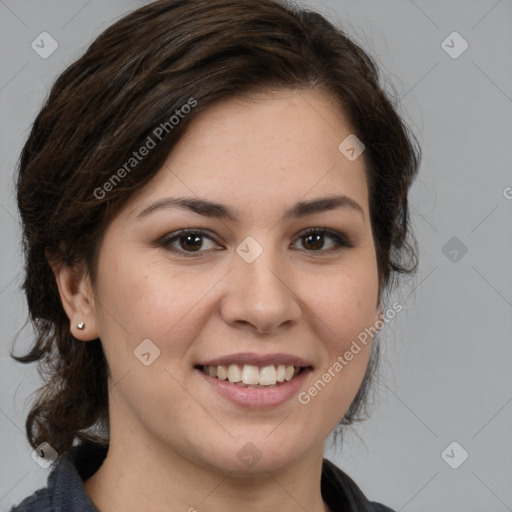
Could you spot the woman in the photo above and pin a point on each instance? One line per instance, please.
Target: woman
(214, 205)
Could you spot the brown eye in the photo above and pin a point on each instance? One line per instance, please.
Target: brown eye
(314, 239)
(185, 241)
(192, 242)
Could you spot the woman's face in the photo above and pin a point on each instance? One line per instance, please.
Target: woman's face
(252, 289)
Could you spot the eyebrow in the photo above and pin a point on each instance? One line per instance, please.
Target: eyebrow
(220, 211)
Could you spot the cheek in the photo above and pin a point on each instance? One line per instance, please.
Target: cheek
(149, 297)
(141, 300)
(343, 304)
(342, 313)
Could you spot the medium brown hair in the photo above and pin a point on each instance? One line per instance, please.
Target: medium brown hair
(131, 80)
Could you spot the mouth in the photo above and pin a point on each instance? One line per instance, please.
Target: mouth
(254, 376)
(251, 380)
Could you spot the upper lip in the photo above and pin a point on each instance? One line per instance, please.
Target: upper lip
(256, 360)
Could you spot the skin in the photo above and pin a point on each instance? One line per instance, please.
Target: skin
(169, 430)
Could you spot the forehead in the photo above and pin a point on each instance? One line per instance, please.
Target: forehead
(263, 152)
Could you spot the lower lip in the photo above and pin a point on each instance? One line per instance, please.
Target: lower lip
(257, 398)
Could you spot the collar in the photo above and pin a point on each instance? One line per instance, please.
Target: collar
(341, 493)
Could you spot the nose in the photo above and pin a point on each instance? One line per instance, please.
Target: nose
(260, 295)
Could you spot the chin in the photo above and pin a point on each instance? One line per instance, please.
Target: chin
(248, 455)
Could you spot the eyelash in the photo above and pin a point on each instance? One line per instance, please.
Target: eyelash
(341, 242)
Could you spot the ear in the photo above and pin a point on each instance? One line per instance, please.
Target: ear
(77, 299)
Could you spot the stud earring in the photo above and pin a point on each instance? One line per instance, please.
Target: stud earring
(81, 326)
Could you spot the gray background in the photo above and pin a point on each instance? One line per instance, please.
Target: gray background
(445, 367)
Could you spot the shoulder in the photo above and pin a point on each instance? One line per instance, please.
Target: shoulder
(40, 500)
(64, 491)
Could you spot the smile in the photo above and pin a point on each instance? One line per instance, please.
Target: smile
(244, 384)
(248, 375)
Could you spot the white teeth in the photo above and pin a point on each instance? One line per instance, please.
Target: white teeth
(281, 372)
(251, 375)
(234, 373)
(222, 372)
(268, 375)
